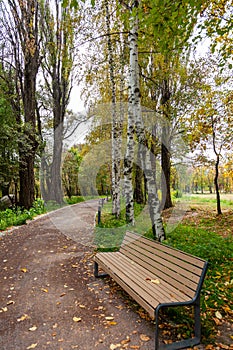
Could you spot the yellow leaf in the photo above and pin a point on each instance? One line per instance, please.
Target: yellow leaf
(32, 346)
(82, 306)
(44, 290)
(114, 346)
(77, 319)
(23, 317)
(33, 328)
(218, 315)
(24, 269)
(125, 341)
(155, 281)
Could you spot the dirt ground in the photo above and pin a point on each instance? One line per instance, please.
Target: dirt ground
(49, 298)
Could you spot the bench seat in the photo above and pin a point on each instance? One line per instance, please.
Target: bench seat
(156, 276)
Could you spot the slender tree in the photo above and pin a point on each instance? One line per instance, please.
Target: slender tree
(57, 28)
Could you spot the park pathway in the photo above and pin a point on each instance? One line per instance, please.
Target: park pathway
(49, 298)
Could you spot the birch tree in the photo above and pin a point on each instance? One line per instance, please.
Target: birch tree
(116, 125)
(135, 126)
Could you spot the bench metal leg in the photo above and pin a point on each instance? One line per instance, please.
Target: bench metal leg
(96, 271)
(183, 343)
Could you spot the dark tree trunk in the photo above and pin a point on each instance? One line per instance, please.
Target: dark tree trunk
(219, 211)
(56, 192)
(138, 189)
(166, 173)
(165, 147)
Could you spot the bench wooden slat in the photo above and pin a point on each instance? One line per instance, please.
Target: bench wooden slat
(150, 260)
(133, 293)
(177, 254)
(162, 292)
(180, 282)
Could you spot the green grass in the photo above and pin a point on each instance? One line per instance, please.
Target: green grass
(110, 232)
(210, 199)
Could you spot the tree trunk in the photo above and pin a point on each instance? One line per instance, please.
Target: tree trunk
(31, 65)
(165, 147)
(219, 211)
(56, 192)
(166, 170)
(138, 187)
(153, 201)
(116, 132)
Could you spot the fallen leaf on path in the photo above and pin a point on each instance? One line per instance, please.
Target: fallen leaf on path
(33, 328)
(32, 346)
(77, 319)
(144, 337)
(114, 346)
(24, 269)
(82, 306)
(44, 290)
(125, 341)
(3, 309)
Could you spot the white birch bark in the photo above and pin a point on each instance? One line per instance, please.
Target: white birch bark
(153, 201)
(116, 139)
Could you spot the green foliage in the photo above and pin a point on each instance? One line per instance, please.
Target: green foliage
(19, 216)
(74, 200)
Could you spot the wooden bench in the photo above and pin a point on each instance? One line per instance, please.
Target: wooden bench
(156, 276)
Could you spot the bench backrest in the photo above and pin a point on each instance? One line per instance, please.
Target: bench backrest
(184, 271)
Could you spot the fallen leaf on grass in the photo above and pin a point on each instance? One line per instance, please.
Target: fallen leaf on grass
(32, 346)
(222, 346)
(218, 315)
(144, 337)
(77, 319)
(217, 321)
